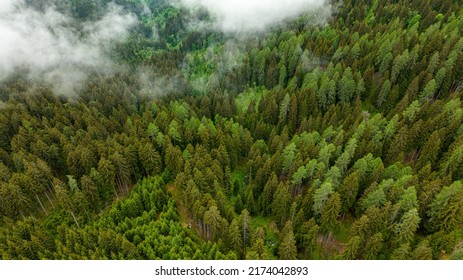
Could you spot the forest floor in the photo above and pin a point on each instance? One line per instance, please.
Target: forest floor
(333, 243)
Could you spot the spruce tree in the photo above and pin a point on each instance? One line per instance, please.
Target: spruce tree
(287, 249)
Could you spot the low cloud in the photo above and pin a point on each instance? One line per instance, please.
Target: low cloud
(246, 16)
(52, 47)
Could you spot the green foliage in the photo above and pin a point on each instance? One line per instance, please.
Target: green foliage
(407, 227)
(352, 247)
(287, 249)
(373, 247)
(341, 140)
(321, 196)
(446, 209)
(330, 213)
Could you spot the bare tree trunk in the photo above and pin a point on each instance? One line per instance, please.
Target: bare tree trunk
(75, 220)
(118, 183)
(41, 205)
(49, 199)
(127, 187)
(115, 190)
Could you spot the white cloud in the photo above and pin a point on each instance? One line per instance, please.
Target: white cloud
(257, 15)
(48, 46)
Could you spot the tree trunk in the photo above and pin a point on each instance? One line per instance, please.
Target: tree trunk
(75, 220)
(49, 199)
(126, 187)
(41, 205)
(115, 191)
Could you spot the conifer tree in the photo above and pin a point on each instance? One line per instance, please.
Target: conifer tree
(234, 235)
(287, 249)
(64, 198)
(352, 247)
(349, 190)
(373, 247)
(281, 203)
(407, 227)
(330, 213)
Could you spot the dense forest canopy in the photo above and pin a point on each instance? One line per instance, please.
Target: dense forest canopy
(152, 132)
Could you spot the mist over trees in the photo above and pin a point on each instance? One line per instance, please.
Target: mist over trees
(339, 139)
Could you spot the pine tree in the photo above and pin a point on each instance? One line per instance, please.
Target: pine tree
(398, 144)
(150, 159)
(361, 227)
(107, 172)
(64, 198)
(401, 253)
(344, 159)
(352, 247)
(90, 191)
(297, 179)
(384, 93)
(373, 247)
(284, 108)
(281, 203)
(407, 227)
(347, 86)
(234, 235)
(174, 132)
(445, 212)
(269, 190)
(14, 199)
(321, 195)
(288, 156)
(287, 249)
(330, 213)
(213, 222)
(310, 238)
(428, 92)
(173, 159)
(348, 191)
(259, 248)
(423, 251)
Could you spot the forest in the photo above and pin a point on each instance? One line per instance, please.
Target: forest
(339, 139)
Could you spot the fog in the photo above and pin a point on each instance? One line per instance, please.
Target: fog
(247, 16)
(52, 47)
